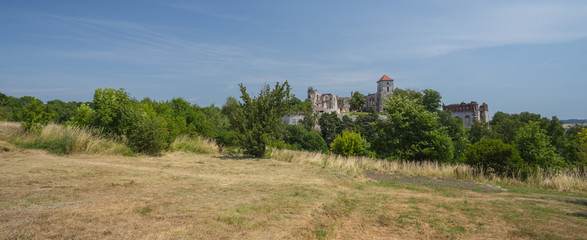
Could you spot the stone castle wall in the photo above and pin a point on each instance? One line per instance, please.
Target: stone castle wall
(468, 112)
(330, 103)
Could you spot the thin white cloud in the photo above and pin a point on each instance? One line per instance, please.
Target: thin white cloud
(500, 24)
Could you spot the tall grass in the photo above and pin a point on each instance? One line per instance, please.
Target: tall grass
(61, 139)
(194, 144)
(572, 179)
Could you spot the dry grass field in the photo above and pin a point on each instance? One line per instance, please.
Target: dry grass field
(191, 196)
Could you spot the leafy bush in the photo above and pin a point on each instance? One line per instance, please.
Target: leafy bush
(34, 116)
(329, 126)
(576, 146)
(535, 147)
(493, 155)
(412, 133)
(302, 139)
(147, 136)
(350, 144)
(83, 116)
(111, 111)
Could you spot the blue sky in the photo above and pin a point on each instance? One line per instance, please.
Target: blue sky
(514, 55)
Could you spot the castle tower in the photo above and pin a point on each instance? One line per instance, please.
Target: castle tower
(384, 88)
(312, 95)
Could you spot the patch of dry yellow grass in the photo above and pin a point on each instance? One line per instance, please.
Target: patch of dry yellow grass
(196, 144)
(72, 139)
(194, 196)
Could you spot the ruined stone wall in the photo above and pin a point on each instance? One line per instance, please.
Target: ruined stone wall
(344, 104)
(372, 101)
(323, 102)
(330, 103)
(292, 119)
(468, 112)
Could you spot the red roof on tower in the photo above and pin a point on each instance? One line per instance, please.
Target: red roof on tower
(385, 78)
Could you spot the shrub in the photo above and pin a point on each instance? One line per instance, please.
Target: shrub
(412, 133)
(350, 144)
(493, 155)
(34, 116)
(302, 139)
(148, 136)
(535, 147)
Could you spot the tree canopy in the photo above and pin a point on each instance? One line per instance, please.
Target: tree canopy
(357, 102)
(412, 133)
(257, 120)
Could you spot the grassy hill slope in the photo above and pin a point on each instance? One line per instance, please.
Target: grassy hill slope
(190, 196)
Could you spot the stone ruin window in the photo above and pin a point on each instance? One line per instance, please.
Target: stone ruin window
(467, 120)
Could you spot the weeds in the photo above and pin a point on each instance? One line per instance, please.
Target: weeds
(197, 145)
(61, 139)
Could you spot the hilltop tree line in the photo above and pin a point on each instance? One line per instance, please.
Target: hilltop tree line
(414, 128)
(417, 129)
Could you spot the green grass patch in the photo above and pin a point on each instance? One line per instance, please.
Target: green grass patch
(144, 211)
(397, 185)
(528, 190)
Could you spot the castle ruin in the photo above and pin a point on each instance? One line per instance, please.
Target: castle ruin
(326, 103)
(468, 112)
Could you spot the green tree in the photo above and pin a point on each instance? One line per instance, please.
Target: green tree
(556, 132)
(413, 133)
(347, 124)
(34, 115)
(305, 109)
(478, 131)
(228, 136)
(357, 102)
(258, 120)
(111, 111)
(329, 126)
(302, 139)
(230, 107)
(309, 120)
(369, 125)
(408, 93)
(62, 111)
(576, 146)
(505, 126)
(493, 155)
(535, 147)
(218, 121)
(83, 116)
(456, 131)
(7, 107)
(431, 100)
(350, 143)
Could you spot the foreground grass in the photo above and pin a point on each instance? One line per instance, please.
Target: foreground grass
(189, 196)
